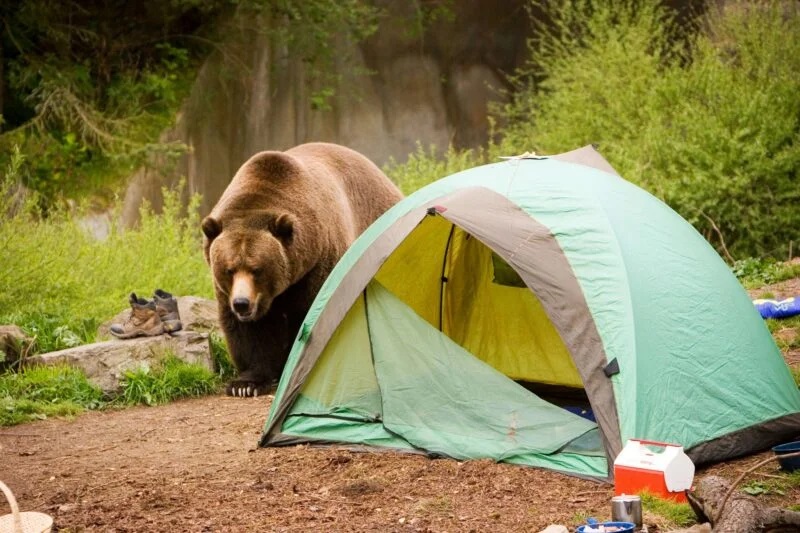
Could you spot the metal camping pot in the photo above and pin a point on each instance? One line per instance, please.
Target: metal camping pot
(627, 508)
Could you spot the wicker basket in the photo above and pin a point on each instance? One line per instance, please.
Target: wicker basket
(27, 522)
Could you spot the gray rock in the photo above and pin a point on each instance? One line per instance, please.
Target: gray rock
(105, 363)
(197, 314)
(12, 343)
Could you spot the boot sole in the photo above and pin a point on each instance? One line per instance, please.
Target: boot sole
(140, 333)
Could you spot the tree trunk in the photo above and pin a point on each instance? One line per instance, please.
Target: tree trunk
(742, 513)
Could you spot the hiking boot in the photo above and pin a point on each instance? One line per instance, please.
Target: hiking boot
(167, 308)
(142, 322)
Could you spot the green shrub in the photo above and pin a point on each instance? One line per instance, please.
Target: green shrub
(169, 380)
(39, 392)
(425, 166)
(754, 272)
(58, 282)
(710, 123)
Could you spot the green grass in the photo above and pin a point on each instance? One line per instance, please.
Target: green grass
(58, 282)
(170, 380)
(42, 392)
(580, 517)
(753, 272)
(222, 359)
(678, 514)
(780, 485)
(786, 332)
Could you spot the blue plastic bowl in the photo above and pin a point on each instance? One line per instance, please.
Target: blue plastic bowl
(792, 464)
(624, 527)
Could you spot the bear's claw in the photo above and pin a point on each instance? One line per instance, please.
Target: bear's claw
(246, 389)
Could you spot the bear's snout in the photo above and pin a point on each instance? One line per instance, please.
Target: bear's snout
(244, 299)
(241, 306)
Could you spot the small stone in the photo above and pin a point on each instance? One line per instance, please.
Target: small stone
(553, 528)
(402, 520)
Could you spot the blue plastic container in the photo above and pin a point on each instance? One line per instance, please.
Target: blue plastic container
(791, 464)
(623, 527)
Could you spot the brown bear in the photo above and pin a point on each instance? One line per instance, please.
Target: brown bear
(276, 233)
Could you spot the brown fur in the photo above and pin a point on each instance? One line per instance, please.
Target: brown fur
(278, 230)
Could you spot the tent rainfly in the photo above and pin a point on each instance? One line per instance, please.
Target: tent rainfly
(538, 311)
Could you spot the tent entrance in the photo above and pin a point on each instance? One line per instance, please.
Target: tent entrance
(458, 285)
(440, 398)
(389, 378)
(427, 362)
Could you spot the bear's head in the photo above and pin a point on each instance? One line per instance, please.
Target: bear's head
(249, 260)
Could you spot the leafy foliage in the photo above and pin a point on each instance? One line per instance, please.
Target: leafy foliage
(427, 165)
(59, 283)
(307, 28)
(705, 115)
(94, 85)
(755, 272)
(40, 392)
(710, 126)
(170, 380)
(779, 484)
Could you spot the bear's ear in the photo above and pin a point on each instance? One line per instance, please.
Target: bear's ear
(273, 166)
(211, 228)
(282, 226)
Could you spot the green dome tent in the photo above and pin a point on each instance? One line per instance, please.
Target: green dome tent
(538, 311)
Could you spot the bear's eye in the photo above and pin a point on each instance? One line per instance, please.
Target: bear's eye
(229, 271)
(257, 271)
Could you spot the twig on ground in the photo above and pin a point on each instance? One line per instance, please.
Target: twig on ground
(741, 477)
(762, 474)
(587, 492)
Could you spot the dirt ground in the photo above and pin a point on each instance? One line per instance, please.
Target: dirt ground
(194, 466)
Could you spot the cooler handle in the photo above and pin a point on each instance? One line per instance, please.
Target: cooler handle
(657, 443)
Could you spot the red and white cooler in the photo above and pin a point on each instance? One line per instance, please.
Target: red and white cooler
(660, 468)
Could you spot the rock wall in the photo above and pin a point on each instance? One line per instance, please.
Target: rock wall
(252, 95)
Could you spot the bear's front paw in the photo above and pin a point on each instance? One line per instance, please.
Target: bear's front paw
(244, 388)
